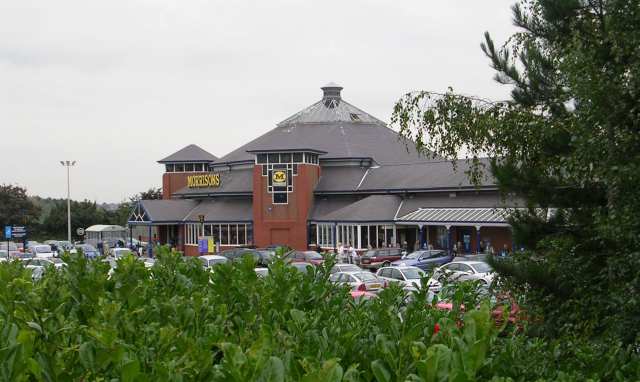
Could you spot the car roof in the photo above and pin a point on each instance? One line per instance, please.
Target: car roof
(468, 262)
(212, 257)
(403, 267)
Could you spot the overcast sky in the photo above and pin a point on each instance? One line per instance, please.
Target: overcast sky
(118, 84)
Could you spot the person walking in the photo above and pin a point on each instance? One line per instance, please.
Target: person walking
(352, 254)
(340, 254)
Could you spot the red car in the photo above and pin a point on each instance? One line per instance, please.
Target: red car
(381, 257)
(515, 317)
(312, 257)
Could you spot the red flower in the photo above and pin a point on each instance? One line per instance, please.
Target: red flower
(436, 328)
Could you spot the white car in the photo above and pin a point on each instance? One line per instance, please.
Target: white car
(208, 261)
(37, 266)
(262, 272)
(408, 277)
(42, 251)
(362, 281)
(344, 267)
(118, 253)
(457, 271)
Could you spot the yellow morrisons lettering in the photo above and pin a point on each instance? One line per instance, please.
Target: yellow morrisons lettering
(208, 180)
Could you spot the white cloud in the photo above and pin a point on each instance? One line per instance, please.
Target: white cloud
(119, 84)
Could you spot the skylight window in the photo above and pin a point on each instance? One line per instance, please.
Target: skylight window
(355, 117)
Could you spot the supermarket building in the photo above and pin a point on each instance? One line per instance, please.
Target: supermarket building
(329, 174)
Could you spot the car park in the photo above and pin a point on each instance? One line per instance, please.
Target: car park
(89, 251)
(358, 281)
(302, 267)
(381, 257)
(408, 277)
(344, 267)
(457, 271)
(261, 256)
(42, 251)
(425, 259)
(118, 253)
(208, 261)
(312, 257)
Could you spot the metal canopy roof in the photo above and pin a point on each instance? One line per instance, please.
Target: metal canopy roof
(468, 216)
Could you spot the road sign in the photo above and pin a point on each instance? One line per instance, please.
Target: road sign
(80, 231)
(18, 231)
(7, 232)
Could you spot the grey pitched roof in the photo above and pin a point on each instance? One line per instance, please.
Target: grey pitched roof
(222, 210)
(336, 127)
(372, 208)
(191, 153)
(425, 175)
(338, 140)
(336, 178)
(457, 215)
(231, 182)
(324, 205)
(159, 211)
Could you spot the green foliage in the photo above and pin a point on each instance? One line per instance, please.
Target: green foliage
(178, 321)
(567, 139)
(15, 206)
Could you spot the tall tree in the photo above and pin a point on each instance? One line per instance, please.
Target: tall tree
(568, 138)
(16, 207)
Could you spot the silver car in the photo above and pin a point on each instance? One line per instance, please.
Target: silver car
(358, 281)
(407, 277)
(457, 271)
(42, 251)
(343, 267)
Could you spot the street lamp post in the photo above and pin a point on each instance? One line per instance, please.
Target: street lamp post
(68, 165)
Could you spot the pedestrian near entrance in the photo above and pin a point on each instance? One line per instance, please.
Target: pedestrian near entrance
(340, 254)
(353, 255)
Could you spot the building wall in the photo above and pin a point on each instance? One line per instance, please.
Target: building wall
(174, 181)
(283, 223)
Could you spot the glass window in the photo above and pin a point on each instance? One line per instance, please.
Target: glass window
(262, 158)
(188, 167)
(224, 234)
(297, 157)
(169, 167)
(381, 238)
(389, 239)
(215, 232)
(285, 157)
(280, 198)
(233, 234)
(395, 274)
(274, 158)
(373, 236)
(249, 234)
(364, 236)
(207, 230)
(179, 168)
(242, 238)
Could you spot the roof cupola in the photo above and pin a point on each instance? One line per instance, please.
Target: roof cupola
(331, 94)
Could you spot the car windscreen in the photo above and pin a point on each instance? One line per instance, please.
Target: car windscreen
(366, 276)
(87, 248)
(349, 268)
(413, 274)
(313, 255)
(415, 255)
(482, 267)
(42, 249)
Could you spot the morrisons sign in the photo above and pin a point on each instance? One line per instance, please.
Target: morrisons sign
(200, 181)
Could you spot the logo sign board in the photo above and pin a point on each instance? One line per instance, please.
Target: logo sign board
(8, 231)
(80, 231)
(202, 181)
(279, 178)
(18, 232)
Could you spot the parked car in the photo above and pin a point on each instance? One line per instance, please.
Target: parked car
(38, 265)
(89, 251)
(118, 253)
(208, 261)
(381, 257)
(344, 267)
(302, 267)
(358, 281)
(312, 257)
(31, 243)
(262, 257)
(12, 246)
(457, 271)
(12, 255)
(425, 259)
(42, 251)
(262, 272)
(408, 277)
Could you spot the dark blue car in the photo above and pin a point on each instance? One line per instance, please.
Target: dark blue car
(425, 259)
(88, 250)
